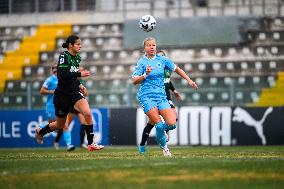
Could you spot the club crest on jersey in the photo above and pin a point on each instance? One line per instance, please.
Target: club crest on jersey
(159, 64)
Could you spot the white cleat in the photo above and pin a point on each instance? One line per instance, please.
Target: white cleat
(39, 138)
(56, 145)
(70, 148)
(94, 146)
(167, 152)
(84, 146)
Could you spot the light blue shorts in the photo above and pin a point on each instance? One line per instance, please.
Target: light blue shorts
(150, 103)
(50, 113)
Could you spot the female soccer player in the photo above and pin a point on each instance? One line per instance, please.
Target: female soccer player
(168, 86)
(48, 89)
(70, 92)
(149, 73)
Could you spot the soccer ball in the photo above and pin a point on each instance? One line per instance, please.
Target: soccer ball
(147, 23)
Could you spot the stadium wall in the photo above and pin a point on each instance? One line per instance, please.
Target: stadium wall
(195, 31)
(198, 125)
(59, 18)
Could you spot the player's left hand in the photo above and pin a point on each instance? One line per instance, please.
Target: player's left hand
(83, 90)
(177, 95)
(193, 84)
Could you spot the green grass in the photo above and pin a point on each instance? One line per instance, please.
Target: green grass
(122, 167)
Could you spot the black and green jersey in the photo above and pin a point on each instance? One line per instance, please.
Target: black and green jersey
(168, 84)
(68, 73)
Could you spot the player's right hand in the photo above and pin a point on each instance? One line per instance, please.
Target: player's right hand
(148, 69)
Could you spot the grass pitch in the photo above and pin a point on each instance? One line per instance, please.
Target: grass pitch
(259, 167)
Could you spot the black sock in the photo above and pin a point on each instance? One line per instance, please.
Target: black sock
(45, 130)
(82, 134)
(145, 134)
(89, 132)
(58, 136)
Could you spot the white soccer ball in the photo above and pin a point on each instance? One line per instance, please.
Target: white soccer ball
(147, 23)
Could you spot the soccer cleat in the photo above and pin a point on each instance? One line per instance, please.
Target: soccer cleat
(95, 146)
(56, 145)
(167, 152)
(142, 150)
(39, 138)
(84, 146)
(70, 148)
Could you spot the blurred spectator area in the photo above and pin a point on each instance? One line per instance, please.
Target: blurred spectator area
(232, 58)
(132, 8)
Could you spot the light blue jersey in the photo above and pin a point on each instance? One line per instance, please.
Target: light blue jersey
(152, 89)
(50, 83)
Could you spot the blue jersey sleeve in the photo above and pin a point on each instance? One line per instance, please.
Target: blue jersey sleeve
(139, 69)
(170, 65)
(47, 83)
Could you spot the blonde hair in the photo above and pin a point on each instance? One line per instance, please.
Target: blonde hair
(54, 68)
(148, 39)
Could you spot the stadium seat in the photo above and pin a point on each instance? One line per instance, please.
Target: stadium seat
(230, 66)
(38, 101)
(246, 51)
(136, 54)
(216, 66)
(101, 29)
(272, 65)
(262, 36)
(213, 81)
(274, 50)
(99, 41)
(109, 55)
(202, 67)
(258, 65)
(123, 54)
(96, 55)
(115, 29)
(187, 67)
(244, 66)
(218, 52)
(93, 69)
(106, 69)
(247, 66)
(276, 36)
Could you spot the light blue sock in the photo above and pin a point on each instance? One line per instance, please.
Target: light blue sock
(170, 127)
(42, 125)
(160, 134)
(67, 137)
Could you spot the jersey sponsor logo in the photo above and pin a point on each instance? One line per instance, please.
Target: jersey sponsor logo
(167, 80)
(74, 69)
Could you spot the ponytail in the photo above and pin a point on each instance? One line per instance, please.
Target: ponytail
(71, 39)
(65, 45)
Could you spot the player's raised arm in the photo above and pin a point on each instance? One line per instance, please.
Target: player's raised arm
(180, 72)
